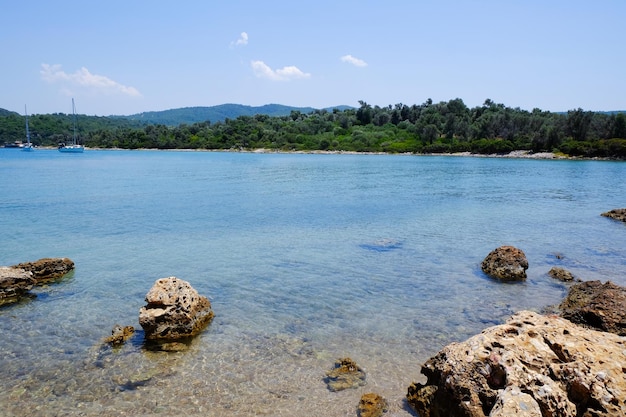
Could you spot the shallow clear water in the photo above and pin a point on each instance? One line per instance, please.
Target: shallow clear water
(305, 258)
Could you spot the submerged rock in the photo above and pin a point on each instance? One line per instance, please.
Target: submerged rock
(506, 263)
(597, 305)
(372, 405)
(346, 374)
(616, 214)
(530, 363)
(561, 274)
(14, 283)
(174, 311)
(119, 335)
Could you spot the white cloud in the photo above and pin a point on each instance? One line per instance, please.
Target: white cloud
(242, 41)
(83, 78)
(354, 61)
(262, 70)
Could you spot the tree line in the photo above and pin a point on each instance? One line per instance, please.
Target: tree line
(444, 127)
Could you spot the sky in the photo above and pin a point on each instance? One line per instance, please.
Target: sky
(126, 57)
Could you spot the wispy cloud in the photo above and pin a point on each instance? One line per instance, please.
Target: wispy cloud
(262, 70)
(83, 78)
(242, 41)
(354, 61)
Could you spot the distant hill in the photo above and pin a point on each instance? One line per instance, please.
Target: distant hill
(190, 115)
(4, 112)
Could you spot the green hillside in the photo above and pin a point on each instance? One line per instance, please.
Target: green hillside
(191, 115)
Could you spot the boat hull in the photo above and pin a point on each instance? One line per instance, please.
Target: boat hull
(72, 149)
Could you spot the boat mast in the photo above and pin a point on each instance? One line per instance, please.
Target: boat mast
(27, 131)
(74, 142)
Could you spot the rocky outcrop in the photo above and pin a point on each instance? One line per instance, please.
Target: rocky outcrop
(47, 269)
(17, 280)
(541, 365)
(174, 311)
(14, 283)
(616, 214)
(345, 374)
(506, 263)
(596, 305)
(372, 405)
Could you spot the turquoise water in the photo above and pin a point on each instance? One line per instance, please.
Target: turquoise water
(306, 258)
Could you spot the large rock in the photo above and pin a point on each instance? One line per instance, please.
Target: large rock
(47, 269)
(597, 305)
(506, 263)
(14, 283)
(174, 311)
(530, 363)
(616, 214)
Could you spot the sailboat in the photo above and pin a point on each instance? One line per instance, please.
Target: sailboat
(29, 146)
(73, 147)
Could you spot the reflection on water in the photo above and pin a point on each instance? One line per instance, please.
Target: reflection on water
(305, 258)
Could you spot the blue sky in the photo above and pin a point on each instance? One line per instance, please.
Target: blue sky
(125, 57)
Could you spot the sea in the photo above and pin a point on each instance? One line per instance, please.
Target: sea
(306, 259)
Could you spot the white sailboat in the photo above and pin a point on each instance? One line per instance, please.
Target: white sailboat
(28, 146)
(73, 147)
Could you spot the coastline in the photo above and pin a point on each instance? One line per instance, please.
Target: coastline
(518, 154)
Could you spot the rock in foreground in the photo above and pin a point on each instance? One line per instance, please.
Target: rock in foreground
(597, 305)
(174, 311)
(506, 263)
(533, 365)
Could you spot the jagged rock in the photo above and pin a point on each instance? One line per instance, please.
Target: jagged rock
(119, 335)
(597, 305)
(506, 263)
(616, 214)
(47, 269)
(174, 311)
(561, 274)
(14, 282)
(372, 405)
(561, 368)
(345, 374)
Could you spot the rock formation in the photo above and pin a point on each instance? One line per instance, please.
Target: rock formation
(345, 374)
(47, 269)
(506, 263)
(596, 305)
(17, 280)
(540, 365)
(616, 214)
(174, 311)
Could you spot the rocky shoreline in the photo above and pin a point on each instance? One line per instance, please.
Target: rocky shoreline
(568, 361)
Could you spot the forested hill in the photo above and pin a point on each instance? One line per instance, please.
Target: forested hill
(444, 127)
(191, 115)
